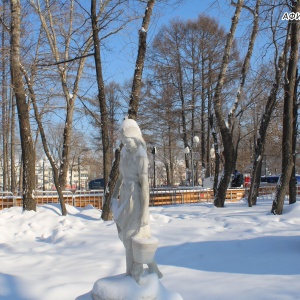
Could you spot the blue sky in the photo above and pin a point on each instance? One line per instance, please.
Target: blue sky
(120, 60)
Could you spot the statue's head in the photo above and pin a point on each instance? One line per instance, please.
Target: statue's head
(130, 131)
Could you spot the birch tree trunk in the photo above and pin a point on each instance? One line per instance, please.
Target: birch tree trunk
(61, 57)
(227, 131)
(287, 138)
(28, 154)
(229, 152)
(55, 168)
(133, 105)
(139, 64)
(264, 123)
(101, 93)
(171, 157)
(183, 108)
(216, 154)
(293, 180)
(12, 145)
(5, 124)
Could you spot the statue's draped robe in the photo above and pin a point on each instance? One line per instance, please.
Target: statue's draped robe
(132, 166)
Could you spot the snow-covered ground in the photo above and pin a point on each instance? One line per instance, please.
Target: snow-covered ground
(204, 252)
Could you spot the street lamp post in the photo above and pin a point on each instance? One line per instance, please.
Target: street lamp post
(153, 151)
(189, 149)
(79, 170)
(44, 160)
(79, 175)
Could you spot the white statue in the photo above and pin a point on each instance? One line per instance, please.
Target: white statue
(131, 210)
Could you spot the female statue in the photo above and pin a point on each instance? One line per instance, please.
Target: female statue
(131, 210)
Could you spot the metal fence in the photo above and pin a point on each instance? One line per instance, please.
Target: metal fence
(158, 197)
(79, 198)
(7, 199)
(188, 196)
(91, 197)
(44, 197)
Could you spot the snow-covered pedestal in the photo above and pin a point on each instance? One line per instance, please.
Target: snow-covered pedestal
(124, 287)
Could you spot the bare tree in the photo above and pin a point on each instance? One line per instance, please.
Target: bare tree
(229, 151)
(12, 143)
(5, 100)
(133, 105)
(293, 179)
(227, 128)
(55, 167)
(101, 92)
(185, 56)
(28, 154)
(69, 72)
(259, 146)
(109, 12)
(287, 139)
(160, 117)
(50, 17)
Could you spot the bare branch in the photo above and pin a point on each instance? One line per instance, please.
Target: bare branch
(66, 61)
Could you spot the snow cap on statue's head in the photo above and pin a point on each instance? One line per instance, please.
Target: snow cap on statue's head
(130, 129)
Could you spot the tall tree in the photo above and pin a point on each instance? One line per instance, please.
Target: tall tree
(28, 154)
(185, 57)
(287, 138)
(227, 128)
(259, 144)
(160, 117)
(58, 44)
(229, 152)
(5, 101)
(293, 179)
(55, 167)
(109, 12)
(133, 105)
(101, 92)
(12, 145)
(60, 37)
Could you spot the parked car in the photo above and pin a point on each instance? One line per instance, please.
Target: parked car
(96, 184)
(273, 179)
(267, 180)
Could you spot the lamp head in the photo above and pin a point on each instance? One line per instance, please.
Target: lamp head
(196, 139)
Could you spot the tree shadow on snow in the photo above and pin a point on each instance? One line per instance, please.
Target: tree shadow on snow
(53, 207)
(85, 217)
(11, 287)
(272, 255)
